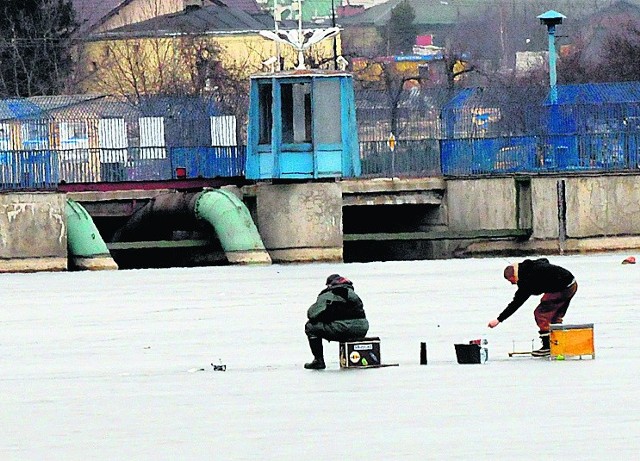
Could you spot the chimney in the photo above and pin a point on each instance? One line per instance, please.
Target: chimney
(190, 5)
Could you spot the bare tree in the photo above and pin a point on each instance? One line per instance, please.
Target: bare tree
(573, 67)
(383, 77)
(622, 55)
(400, 33)
(35, 46)
(185, 65)
(615, 60)
(140, 10)
(361, 42)
(455, 66)
(605, 49)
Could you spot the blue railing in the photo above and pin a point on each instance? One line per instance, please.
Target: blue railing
(604, 151)
(45, 169)
(408, 158)
(539, 154)
(503, 130)
(612, 151)
(28, 170)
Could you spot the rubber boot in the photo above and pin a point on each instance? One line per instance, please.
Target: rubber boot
(545, 350)
(318, 357)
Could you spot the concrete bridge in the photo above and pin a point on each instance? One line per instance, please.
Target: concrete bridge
(349, 220)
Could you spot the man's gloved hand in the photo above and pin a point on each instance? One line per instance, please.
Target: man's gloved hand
(493, 323)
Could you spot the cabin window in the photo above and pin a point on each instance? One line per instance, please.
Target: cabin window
(5, 136)
(35, 135)
(296, 113)
(265, 104)
(327, 111)
(74, 134)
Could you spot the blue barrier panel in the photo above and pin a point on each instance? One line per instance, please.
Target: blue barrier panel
(149, 170)
(208, 162)
(35, 170)
(517, 154)
(490, 155)
(633, 148)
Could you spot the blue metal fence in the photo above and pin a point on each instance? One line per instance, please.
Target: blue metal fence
(28, 170)
(209, 162)
(45, 169)
(591, 127)
(408, 158)
(540, 154)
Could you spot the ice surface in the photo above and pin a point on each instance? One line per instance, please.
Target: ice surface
(103, 366)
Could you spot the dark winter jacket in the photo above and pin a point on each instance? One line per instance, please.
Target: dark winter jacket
(535, 277)
(336, 302)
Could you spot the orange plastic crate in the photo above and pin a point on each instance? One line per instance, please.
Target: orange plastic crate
(572, 340)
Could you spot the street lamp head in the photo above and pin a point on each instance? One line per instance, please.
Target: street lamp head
(551, 18)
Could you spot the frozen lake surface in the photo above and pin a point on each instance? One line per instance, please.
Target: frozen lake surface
(102, 366)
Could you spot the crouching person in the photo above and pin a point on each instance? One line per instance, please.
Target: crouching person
(540, 277)
(337, 315)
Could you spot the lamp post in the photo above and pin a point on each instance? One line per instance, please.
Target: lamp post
(278, 65)
(335, 40)
(551, 19)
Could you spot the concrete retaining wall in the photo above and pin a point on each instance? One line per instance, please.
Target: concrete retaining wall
(603, 206)
(602, 212)
(300, 222)
(544, 199)
(481, 204)
(33, 232)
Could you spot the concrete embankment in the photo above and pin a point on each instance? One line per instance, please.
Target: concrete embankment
(361, 220)
(572, 214)
(33, 232)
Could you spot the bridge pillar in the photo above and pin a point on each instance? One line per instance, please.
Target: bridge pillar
(33, 233)
(300, 222)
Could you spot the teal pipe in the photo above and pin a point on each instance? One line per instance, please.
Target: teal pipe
(233, 225)
(84, 242)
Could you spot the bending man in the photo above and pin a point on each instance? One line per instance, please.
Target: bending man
(535, 277)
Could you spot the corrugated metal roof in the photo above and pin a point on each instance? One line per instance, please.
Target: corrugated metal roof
(174, 106)
(74, 107)
(426, 12)
(449, 12)
(49, 103)
(213, 18)
(65, 107)
(20, 109)
(91, 12)
(598, 93)
(250, 6)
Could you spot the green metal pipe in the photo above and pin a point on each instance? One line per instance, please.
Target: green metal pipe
(84, 242)
(234, 226)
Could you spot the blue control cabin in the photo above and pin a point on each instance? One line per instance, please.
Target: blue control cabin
(302, 125)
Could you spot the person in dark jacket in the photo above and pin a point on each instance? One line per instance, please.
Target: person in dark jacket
(535, 277)
(337, 315)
